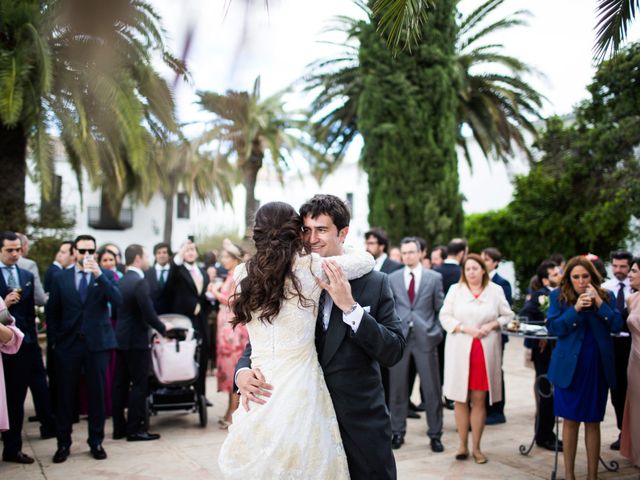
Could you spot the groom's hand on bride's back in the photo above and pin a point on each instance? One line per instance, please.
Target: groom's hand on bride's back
(252, 387)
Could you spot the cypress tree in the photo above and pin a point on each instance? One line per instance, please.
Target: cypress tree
(407, 117)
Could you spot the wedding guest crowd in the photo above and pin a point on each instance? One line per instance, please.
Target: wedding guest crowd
(101, 305)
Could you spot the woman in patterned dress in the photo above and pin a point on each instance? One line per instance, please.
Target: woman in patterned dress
(230, 342)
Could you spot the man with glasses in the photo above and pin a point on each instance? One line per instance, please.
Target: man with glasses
(80, 333)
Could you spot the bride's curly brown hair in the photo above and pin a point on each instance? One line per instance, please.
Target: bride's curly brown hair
(277, 235)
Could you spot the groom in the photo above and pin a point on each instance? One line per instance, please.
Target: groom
(358, 331)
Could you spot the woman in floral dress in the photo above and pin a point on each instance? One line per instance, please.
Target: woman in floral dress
(230, 342)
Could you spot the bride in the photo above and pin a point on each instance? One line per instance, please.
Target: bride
(295, 434)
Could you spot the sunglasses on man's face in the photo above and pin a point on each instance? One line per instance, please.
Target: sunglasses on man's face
(90, 251)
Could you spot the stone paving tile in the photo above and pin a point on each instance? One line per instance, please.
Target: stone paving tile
(189, 452)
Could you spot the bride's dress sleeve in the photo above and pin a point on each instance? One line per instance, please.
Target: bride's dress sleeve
(354, 262)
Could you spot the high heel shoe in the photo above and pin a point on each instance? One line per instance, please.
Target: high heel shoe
(479, 458)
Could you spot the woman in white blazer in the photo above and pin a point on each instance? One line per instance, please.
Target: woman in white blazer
(473, 314)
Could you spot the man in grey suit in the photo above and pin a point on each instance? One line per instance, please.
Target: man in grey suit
(418, 295)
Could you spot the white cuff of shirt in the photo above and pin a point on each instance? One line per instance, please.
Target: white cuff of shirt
(177, 259)
(235, 378)
(354, 318)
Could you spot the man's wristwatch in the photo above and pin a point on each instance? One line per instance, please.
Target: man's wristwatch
(351, 309)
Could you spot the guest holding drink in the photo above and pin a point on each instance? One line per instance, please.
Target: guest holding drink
(630, 438)
(582, 315)
(474, 311)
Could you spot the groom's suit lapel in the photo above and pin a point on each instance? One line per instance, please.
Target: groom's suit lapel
(337, 328)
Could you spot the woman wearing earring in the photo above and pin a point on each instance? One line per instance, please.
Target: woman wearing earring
(582, 315)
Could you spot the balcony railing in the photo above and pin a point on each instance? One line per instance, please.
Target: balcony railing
(101, 220)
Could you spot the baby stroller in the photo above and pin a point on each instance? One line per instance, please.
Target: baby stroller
(175, 369)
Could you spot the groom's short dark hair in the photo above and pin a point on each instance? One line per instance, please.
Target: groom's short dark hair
(330, 205)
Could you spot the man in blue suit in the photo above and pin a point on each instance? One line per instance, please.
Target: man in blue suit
(81, 336)
(17, 290)
(492, 258)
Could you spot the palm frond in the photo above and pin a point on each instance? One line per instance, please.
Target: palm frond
(401, 21)
(614, 17)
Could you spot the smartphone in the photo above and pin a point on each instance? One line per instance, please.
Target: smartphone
(86, 258)
(191, 238)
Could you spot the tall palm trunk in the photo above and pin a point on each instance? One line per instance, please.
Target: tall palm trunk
(250, 176)
(168, 218)
(13, 171)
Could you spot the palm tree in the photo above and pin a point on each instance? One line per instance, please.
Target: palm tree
(492, 104)
(246, 126)
(401, 22)
(495, 106)
(82, 68)
(183, 164)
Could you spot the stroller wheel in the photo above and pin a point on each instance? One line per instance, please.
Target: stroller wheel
(202, 410)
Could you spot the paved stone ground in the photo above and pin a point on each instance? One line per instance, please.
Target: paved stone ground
(187, 451)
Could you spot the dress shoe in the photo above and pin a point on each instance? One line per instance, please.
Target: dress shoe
(397, 440)
(209, 404)
(98, 453)
(416, 408)
(615, 445)
(550, 445)
(118, 435)
(18, 458)
(61, 455)
(495, 419)
(142, 437)
(436, 445)
(33, 418)
(448, 404)
(412, 414)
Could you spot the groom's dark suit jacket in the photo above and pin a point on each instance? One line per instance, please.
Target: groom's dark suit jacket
(351, 364)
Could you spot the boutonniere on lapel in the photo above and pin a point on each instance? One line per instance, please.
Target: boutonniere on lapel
(28, 284)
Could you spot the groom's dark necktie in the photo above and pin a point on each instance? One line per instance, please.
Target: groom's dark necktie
(321, 333)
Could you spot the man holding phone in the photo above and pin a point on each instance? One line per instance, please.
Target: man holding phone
(80, 333)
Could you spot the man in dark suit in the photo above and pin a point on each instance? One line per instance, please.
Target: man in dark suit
(64, 259)
(549, 276)
(82, 337)
(450, 270)
(492, 258)
(158, 275)
(135, 317)
(357, 331)
(418, 296)
(17, 290)
(377, 244)
(186, 295)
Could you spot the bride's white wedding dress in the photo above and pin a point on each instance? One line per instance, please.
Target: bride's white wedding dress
(295, 435)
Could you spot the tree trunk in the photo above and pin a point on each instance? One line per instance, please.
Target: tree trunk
(250, 170)
(168, 218)
(13, 170)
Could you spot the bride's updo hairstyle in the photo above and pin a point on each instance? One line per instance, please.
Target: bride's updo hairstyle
(277, 235)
